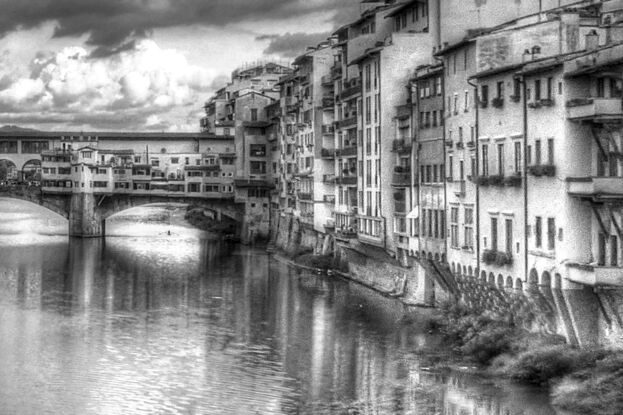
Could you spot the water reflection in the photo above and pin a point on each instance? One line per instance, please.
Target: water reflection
(144, 325)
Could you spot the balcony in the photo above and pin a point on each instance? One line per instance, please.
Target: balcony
(328, 129)
(328, 102)
(459, 190)
(371, 230)
(348, 122)
(305, 196)
(596, 188)
(595, 275)
(346, 180)
(347, 152)
(336, 70)
(328, 179)
(326, 80)
(595, 109)
(401, 179)
(351, 92)
(327, 153)
(403, 111)
(401, 146)
(330, 199)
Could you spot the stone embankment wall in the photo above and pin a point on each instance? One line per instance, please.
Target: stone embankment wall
(583, 315)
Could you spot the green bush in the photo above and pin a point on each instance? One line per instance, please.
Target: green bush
(544, 364)
(594, 391)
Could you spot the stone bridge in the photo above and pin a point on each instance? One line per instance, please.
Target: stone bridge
(87, 213)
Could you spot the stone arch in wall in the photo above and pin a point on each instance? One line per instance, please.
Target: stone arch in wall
(436, 257)
(8, 170)
(423, 254)
(443, 258)
(509, 282)
(483, 276)
(557, 281)
(464, 271)
(31, 171)
(429, 256)
(453, 268)
(519, 284)
(533, 278)
(500, 281)
(546, 279)
(491, 280)
(470, 271)
(458, 269)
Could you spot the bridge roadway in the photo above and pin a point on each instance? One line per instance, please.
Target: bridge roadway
(87, 212)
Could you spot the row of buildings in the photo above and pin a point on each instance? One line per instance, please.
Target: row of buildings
(481, 136)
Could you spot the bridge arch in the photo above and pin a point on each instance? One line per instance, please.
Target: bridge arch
(57, 207)
(31, 170)
(8, 170)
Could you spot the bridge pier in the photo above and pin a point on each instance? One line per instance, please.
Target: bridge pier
(84, 217)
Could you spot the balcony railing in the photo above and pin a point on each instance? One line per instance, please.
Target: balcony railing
(401, 146)
(460, 188)
(596, 275)
(351, 92)
(401, 179)
(347, 152)
(595, 109)
(328, 102)
(328, 129)
(403, 111)
(596, 188)
(347, 122)
(346, 180)
(327, 153)
(371, 230)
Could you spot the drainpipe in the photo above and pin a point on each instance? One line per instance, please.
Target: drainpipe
(525, 174)
(443, 146)
(476, 173)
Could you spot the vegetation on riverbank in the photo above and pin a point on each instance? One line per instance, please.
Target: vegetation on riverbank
(307, 258)
(197, 218)
(588, 381)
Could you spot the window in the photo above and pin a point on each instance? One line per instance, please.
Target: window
(601, 87)
(551, 233)
(368, 141)
(466, 102)
(35, 147)
(253, 114)
(616, 90)
(509, 236)
(501, 159)
(550, 151)
(537, 152)
(516, 88)
(517, 157)
(8, 147)
(484, 94)
(494, 234)
(258, 167)
(549, 87)
(257, 150)
(538, 229)
(87, 154)
(500, 89)
(460, 134)
(450, 168)
(456, 104)
(368, 77)
(537, 89)
(614, 251)
(468, 241)
(368, 110)
(454, 227)
(485, 160)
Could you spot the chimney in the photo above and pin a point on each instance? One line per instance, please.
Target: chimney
(592, 40)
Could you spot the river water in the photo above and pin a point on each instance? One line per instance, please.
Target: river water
(145, 322)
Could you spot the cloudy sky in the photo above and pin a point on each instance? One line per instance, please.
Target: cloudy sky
(142, 64)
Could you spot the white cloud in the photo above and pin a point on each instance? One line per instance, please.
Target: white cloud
(149, 78)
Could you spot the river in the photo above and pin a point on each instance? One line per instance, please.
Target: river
(144, 322)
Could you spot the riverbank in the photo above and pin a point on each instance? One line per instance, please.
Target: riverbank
(586, 381)
(198, 218)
